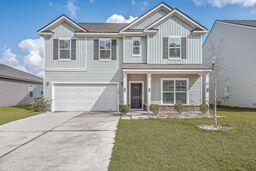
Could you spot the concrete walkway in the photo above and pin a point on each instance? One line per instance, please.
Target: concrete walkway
(58, 141)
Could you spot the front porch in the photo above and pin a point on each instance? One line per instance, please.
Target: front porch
(165, 87)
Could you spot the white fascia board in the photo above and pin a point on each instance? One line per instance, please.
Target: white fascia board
(173, 12)
(59, 19)
(167, 70)
(145, 15)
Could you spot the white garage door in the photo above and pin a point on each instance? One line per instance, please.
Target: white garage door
(85, 97)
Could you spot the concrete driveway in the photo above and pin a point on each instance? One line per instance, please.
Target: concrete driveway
(58, 141)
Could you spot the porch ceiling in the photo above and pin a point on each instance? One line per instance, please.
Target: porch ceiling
(166, 68)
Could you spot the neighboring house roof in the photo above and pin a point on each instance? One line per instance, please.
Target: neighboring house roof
(103, 27)
(14, 74)
(249, 23)
(164, 66)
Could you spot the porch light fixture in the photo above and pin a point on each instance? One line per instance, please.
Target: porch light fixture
(149, 89)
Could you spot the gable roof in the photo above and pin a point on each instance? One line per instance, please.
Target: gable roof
(199, 27)
(162, 4)
(94, 28)
(61, 19)
(14, 74)
(249, 23)
(103, 27)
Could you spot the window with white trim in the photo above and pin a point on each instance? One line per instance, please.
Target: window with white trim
(174, 91)
(64, 49)
(136, 46)
(174, 47)
(105, 49)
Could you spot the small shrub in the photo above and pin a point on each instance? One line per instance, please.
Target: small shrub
(41, 104)
(179, 107)
(154, 108)
(204, 108)
(124, 109)
(145, 107)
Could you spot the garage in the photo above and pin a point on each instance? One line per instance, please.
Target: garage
(85, 97)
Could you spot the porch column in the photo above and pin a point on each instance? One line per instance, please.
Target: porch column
(207, 88)
(149, 89)
(125, 88)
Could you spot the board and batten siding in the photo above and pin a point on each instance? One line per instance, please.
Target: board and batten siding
(129, 58)
(150, 19)
(194, 87)
(66, 31)
(174, 27)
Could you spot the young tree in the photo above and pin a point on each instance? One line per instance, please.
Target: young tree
(214, 52)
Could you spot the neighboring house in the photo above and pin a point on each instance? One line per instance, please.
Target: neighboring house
(156, 59)
(234, 41)
(18, 87)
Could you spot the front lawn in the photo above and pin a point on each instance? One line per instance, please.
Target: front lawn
(8, 114)
(179, 144)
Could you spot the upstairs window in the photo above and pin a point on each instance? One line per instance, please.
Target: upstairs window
(105, 49)
(174, 45)
(64, 49)
(136, 44)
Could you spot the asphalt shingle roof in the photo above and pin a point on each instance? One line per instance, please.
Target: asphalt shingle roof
(14, 74)
(103, 27)
(250, 23)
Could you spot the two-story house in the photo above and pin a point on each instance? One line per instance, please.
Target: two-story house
(156, 59)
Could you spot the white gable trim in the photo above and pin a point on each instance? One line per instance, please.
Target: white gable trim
(176, 12)
(146, 14)
(45, 28)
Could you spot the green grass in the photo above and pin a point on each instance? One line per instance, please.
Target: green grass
(179, 144)
(9, 114)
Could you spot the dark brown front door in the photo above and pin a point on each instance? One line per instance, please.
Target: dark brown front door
(136, 95)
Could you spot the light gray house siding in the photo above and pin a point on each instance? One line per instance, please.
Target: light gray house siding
(174, 27)
(14, 93)
(96, 71)
(237, 56)
(194, 87)
(129, 58)
(150, 19)
(66, 31)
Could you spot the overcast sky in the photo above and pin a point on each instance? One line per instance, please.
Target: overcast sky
(21, 47)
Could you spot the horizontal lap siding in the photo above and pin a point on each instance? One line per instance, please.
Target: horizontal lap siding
(194, 88)
(16, 93)
(97, 71)
(66, 31)
(174, 27)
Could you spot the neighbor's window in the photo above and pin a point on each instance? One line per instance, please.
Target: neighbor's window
(30, 90)
(174, 91)
(174, 47)
(136, 46)
(105, 49)
(64, 48)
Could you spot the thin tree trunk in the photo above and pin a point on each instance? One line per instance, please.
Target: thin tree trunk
(215, 102)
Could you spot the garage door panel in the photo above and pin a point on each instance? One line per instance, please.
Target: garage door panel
(93, 97)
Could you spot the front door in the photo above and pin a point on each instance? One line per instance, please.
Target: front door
(136, 95)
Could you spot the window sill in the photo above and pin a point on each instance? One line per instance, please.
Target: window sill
(64, 60)
(104, 60)
(136, 55)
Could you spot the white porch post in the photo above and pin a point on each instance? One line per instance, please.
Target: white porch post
(149, 89)
(207, 88)
(125, 88)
